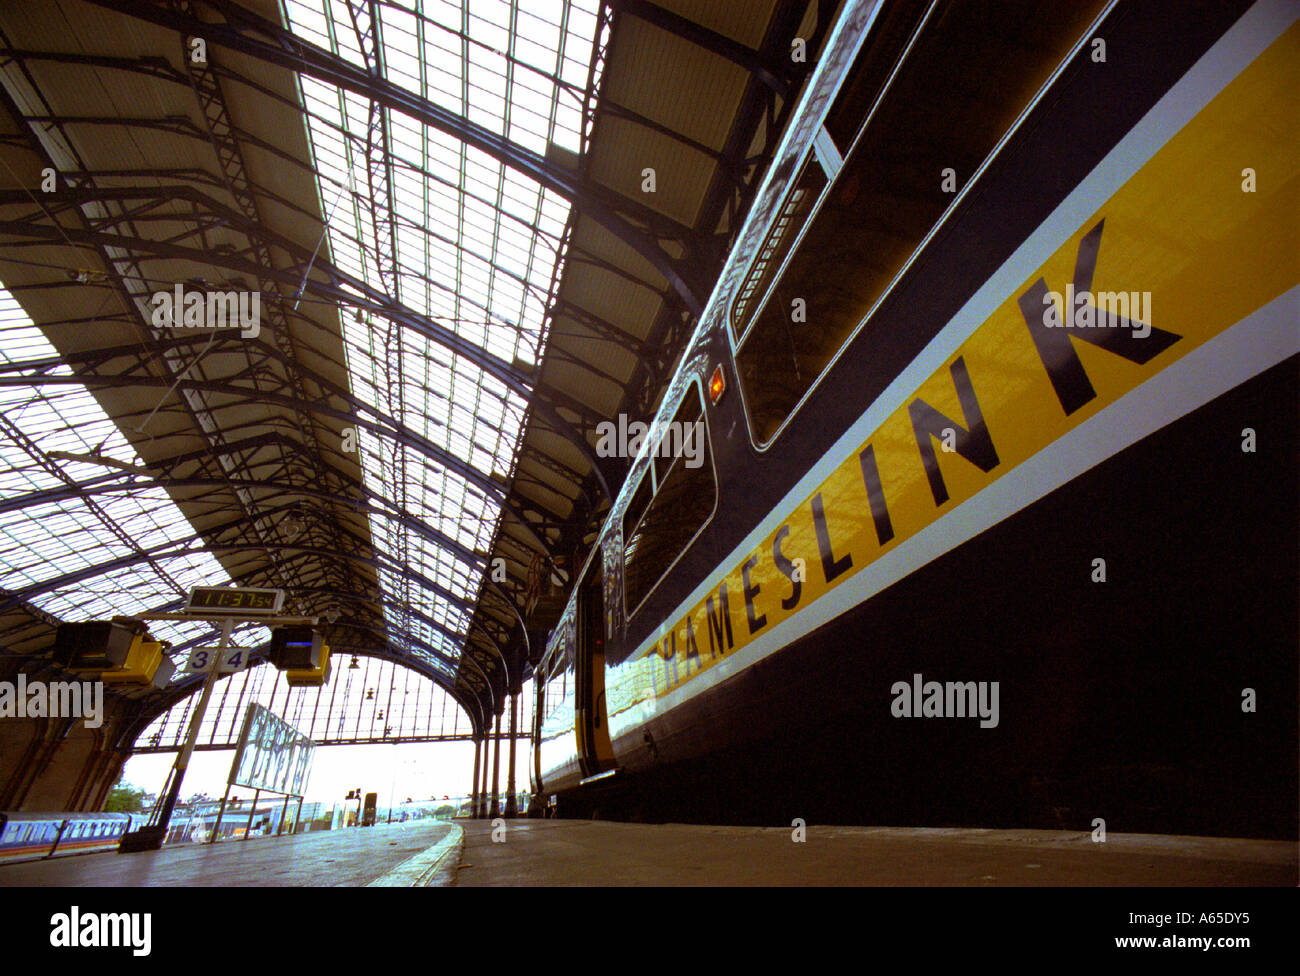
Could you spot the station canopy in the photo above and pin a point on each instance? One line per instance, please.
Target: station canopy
(460, 236)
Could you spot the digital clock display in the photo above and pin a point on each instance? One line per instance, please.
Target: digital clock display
(213, 599)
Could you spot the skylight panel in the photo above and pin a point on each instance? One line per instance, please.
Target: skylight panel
(475, 249)
(88, 533)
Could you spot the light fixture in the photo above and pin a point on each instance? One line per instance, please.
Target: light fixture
(354, 665)
(717, 384)
(292, 526)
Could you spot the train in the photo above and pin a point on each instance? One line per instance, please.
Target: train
(973, 498)
(27, 836)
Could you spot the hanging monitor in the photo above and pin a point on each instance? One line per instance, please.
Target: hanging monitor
(296, 648)
(96, 645)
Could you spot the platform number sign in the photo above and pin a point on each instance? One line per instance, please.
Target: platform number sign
(226, 660)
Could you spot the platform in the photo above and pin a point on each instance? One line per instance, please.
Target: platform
(384, 855)
(579, 852)
(584, 852)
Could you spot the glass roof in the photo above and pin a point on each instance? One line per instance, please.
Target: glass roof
(455, 236)
(47, 541)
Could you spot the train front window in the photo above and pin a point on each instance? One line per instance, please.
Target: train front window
(929, 104)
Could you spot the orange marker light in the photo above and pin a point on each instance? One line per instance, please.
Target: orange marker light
(717, 384)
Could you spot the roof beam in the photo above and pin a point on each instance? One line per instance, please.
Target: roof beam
(340, 287)
(372, 504)
(381, 426)
(181, 547)
(701, 36)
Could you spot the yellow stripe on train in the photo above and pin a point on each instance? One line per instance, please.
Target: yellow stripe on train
(1182, 241)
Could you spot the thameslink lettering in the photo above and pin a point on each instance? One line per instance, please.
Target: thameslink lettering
(831, 511)
(1054, 346)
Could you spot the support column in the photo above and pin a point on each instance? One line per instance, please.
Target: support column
(153, 836)
(112, 773)
(512, 801)
(90, 770)
(103, 762)
(52, 735)
(473, 795)
(252, 809)
(496, 771)
(22, 768)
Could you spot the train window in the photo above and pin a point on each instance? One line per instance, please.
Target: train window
(798, 205)
(925, 116)
(683, 502)
(869, 77)
(685, 438)
(637, 506)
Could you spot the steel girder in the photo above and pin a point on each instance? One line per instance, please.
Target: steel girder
(370, 505)
(334, 486)
(147, 710)
(226, 147)
(774, 72)
(180, 547)
(339, 287)
(36, 373)
(129, 287)
(381, 250)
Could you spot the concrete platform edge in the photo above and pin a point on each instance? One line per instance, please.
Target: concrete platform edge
(433, 868)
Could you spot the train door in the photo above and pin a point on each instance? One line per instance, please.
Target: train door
(595, 753)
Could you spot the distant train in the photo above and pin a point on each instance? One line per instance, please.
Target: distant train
(980, 526)
(24, 836)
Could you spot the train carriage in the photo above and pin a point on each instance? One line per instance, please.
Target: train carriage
(992, 513)
(25, 836)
